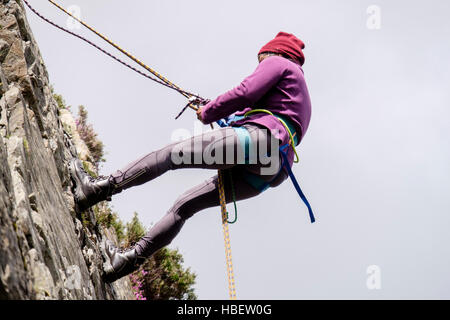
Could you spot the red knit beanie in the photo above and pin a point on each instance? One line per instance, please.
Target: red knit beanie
(286, 44)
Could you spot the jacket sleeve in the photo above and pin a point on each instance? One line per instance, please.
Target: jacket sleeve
(251, 89)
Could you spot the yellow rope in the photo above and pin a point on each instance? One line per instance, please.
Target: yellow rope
(129, 55)
(226, 236)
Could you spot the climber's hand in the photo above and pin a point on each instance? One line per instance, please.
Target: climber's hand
(199, 114)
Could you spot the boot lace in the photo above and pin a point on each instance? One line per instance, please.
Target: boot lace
(91, 178)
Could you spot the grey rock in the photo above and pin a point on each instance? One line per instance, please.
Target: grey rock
(47, 251)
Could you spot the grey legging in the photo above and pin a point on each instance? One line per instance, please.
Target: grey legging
(219, 149)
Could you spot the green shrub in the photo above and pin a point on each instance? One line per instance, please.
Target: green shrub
(60, 101)
(107, 219)
(135, 230)
(89, 137)
(164, 277)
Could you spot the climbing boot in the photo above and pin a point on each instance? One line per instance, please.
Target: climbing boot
(120, 263)
(88, 190)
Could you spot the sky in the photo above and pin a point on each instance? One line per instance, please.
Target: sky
(374, 162)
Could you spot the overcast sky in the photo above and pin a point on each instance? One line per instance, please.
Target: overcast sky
(374, 163)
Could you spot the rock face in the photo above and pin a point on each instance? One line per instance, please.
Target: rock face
(46, 251)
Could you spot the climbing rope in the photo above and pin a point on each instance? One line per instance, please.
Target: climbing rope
(226, 237)
(129, 55)
(233, 195)
(159, 80)
(193, 102)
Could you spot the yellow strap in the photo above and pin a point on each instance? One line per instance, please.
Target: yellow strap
(226, 236)
(291, 138)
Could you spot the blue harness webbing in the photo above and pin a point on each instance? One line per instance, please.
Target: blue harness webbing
(295, 182)
(255, 180)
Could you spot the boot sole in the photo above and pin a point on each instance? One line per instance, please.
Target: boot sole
(108, 271)
(109, 274)
(78, 191)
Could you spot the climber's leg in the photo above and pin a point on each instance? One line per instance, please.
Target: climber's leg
(205, 195)
(218, 149)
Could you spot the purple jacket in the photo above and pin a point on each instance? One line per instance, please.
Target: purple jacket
(278, 85)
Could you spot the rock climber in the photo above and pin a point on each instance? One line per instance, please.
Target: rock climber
(244, 150)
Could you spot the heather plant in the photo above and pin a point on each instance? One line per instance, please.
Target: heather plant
(137, 284)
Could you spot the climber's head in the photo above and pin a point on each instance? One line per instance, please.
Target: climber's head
(286, 45)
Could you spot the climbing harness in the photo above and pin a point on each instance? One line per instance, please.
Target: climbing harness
(283, 122)
(255, 180)
(194, 101)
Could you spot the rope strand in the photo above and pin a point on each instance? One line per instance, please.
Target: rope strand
(169, 85)
(129, 55)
